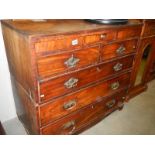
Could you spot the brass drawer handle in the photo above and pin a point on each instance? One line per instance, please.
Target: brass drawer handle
(111, 103)
(118, 67)
(115, 85)
(121, 49)
(69, 105)
(72, 82)
(68, 125)
(71, 62)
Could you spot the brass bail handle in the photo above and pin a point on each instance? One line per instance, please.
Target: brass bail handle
(111, 103)
(72, 82)
(115, 85)
(68, 125)
(121, 49)
(69, 105)
(71, 62)
(118, 67)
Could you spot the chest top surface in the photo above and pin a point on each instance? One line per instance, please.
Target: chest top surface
(56, 27)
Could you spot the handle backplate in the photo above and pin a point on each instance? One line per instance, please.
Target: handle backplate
(121, 49)
(71, 62)
(72, 82)
(118, 67)
(69, 105)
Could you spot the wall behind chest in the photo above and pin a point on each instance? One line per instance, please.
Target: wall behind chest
(7, 105)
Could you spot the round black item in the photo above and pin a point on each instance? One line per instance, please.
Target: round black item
(108, 21)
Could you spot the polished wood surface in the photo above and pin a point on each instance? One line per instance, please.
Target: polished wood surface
(84, 97)
(26, 109)
(20, 61)
(77, 120)
(54, 27)
(57, 64)
(128, 33)
(68, 74)
(149, 28)
(114, 49)
(56, 87)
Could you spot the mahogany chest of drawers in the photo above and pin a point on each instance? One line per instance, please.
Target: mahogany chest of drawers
(68, 74)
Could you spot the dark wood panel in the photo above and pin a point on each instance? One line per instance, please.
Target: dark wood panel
(149, 28)
(142, 45)
(75, 121)
(26, 109)
(20, 60)
(118, 49)
(57, 87)
(2, 131)
(82, 98)
(65, 62)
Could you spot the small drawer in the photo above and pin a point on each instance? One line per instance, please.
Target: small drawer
(68, 83)
(60, 63)
(118, 49)
(71, 102)
(149, 29)
(127, 33)
(79, 119)
(99, 37)
(45, 45)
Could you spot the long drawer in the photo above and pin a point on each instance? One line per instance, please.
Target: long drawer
(118, 49)
(64, 62)
(71, 102)
(65, 84)
(79, 119)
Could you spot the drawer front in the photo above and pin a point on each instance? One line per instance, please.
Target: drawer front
(45, 45)
(76, 100)
(101, 36)
(65, 84)
(118, 49)
(149, 29)
(75, 121)
(58, 64)
(129, 33)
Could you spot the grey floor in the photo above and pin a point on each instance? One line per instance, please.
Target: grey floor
(137, 118)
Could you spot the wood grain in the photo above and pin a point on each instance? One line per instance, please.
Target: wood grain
(55, 64)
(82, 98)
(55, 87)
(83, 117)
(66, 74)
(110, 51)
